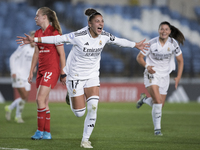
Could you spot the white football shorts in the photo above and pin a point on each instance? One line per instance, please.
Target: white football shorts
(20, 83)
(162, 82)
(76, 87)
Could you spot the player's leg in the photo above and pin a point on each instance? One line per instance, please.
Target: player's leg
(92, 99)
(24, 92)
(76, 97)
(42, 93)
(143, 98)
(47, 134)
(156, 108)
(9, 108)
(18, 84)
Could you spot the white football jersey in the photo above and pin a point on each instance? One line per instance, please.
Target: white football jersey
(20, 61)
(162, 58)
(83, 61)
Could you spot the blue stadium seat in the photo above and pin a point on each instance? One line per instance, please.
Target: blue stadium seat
(59, 7)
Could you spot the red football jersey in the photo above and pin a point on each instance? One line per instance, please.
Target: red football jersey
(49, 59)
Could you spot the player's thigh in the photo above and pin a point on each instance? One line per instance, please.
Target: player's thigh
(42, 92)
(78, 102)
(23, 93)
(76, 93)
(91, 91)
(154, 92)
(91, 87)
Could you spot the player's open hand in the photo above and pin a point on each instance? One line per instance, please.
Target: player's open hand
(150, 69)
(142, 46)
(63, 80)
(24, 40)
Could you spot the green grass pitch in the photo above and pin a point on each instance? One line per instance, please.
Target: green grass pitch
(119, 126)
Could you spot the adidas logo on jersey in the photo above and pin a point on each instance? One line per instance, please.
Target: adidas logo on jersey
(86, 43)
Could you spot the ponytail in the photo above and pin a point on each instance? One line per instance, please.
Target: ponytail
(175, 33)
(52, 17)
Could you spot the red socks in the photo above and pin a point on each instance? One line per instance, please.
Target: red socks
(41, 116)
(47, 121)
(43, 119)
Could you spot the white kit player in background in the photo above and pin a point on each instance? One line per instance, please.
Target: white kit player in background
(160, 62)
(82, 66)
(20, 64)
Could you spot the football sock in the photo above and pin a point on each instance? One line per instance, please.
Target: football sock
(41, 117)
(20, 107)
(156, 115)
(14, 103)
(148, 101)
(90, 120)
(47, 121)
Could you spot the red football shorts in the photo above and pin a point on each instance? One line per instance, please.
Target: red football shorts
(47, 79)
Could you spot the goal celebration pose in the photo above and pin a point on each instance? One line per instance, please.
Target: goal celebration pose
(160, 62)
(82, 67)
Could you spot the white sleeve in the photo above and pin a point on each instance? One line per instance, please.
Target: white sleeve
(13, 57)
(120, 41)
(59, 39)
(178, 51)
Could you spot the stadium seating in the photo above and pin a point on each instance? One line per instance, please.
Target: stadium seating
(131, 22)
(16, 19)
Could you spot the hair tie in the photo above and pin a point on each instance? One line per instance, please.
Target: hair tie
(91, 15)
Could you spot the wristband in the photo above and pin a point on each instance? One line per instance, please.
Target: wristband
(63, 75)
(36, 39)
(146, 66)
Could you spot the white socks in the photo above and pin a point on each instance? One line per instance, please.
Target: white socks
(90, 120)
(156, 116)
(148, 101)
(20, 107)
(14, 103)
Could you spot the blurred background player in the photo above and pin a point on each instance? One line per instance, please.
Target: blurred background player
(83, 65)
(20, 64)
(51, 58)
(160, 62)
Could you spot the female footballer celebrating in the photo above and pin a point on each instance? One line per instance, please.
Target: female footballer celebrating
(83, 65)
(159, 64)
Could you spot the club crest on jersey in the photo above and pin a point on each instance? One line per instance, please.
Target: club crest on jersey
(74, 91)
(71, 35)
(168, 49)
(100, 42)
